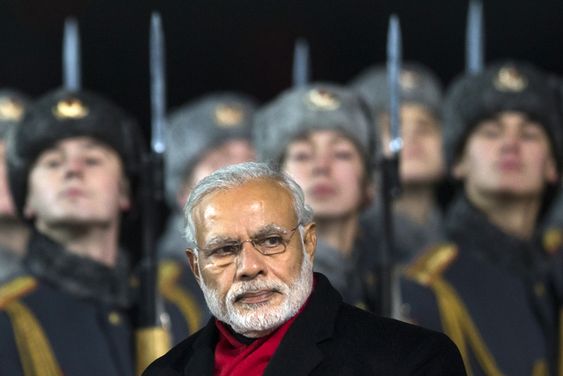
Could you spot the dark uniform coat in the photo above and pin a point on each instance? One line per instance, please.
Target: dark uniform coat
(183, 300)
(68, 316)
(491, 293)
(330, 338)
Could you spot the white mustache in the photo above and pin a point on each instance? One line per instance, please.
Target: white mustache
(241, 288)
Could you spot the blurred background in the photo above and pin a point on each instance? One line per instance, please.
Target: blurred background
(247, 45)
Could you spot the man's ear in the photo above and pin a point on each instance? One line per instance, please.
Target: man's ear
(310, 239)
(193, 262)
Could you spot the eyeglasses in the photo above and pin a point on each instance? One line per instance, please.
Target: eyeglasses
(272, 243)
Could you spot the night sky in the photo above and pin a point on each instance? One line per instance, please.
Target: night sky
(247, 45)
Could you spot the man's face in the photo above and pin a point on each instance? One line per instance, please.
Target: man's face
(509, 154)
(330, 170)
(230, 152)
(254, 293)
(78, 181)
(7, 209)
(421, 157)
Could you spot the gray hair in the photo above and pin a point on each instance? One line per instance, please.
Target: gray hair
(237, 175)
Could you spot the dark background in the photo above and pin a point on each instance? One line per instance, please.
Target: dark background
(247, 45)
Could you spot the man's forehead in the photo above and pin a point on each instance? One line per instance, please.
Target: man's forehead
(262, 199)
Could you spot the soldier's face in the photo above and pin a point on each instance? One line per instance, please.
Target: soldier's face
(330, 170)
(78, 181)
(421, 158)
(509, 154)
(228, 153)
(7, 209)
(253, 293)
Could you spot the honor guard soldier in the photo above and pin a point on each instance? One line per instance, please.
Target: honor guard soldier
(489, 287)
(72, 165)
(417, 216)
(13, 232)
(320, 135)
(202, 136)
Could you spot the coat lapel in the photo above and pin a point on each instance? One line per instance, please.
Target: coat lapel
(298, 353)
(202, 361)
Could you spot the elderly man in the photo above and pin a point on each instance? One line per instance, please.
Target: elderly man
(254, 244)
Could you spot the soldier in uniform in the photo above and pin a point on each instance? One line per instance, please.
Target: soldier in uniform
(417, 216)
(202, 136)
(320, 135)
(490, 287)
(72, 166)
(13, 232)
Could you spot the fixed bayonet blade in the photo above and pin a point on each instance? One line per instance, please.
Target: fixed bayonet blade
(158, 85)
(394, 56)
(474, 38)
(71, 55)
(301, 63)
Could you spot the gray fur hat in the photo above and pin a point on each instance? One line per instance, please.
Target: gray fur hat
(13, 105)
(417, 85)
(200, 126)
(312, 107)
(62, 114)
(505, 86)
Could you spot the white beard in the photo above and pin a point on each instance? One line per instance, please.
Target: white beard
(260, 317)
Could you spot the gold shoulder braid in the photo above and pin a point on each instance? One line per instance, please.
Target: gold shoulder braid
(169, 272)
(431, 264)
(427, 270)
(36, 355)
(15, 289)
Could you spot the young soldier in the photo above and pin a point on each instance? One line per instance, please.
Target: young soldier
(202, 136)
(72, 165)
(490, 288)
(13, 233)
(417, 218)
(320, 135)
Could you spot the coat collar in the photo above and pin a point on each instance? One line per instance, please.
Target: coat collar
(298, 353)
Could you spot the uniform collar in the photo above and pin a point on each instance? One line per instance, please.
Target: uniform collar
(469, 227)
(77, 275)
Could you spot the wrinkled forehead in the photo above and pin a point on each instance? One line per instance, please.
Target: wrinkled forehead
(245, 208)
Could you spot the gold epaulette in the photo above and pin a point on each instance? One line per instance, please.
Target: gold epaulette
(15, 289)
(553, 240)
(169, 273)
(431, 264)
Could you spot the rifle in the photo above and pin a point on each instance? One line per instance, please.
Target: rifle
(152, 340)
(390, 181)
